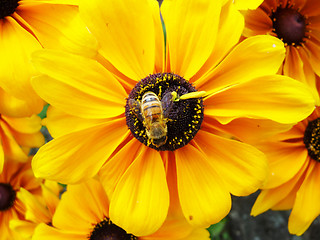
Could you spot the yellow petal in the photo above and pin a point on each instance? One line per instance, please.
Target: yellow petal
(24, 228)
(247, 4)
(82, 87)
(258, 22)
(144, 193)
(254, 57)
(12, 106)
(191, 28)
(43, 231)
(230, 18)
(269, 198)
(79, 155)
(275, 97)
(48, 20)
(36, 211)
(15, 67)
(116, 166)
(126, 33)
(306, 207)
(198, 234)
(24, 125)
(50, 197)
(280, 156)
(60, 123)
(85, 204)
(242, 167)
(200, 188)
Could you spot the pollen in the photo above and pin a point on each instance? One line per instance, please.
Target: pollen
(7, 7)
(106, 230)
(178, 111)
(312, 139)
(7, 196)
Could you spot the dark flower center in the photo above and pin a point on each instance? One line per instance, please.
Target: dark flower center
(7, 7)
(312, 139)
(7, 196)
(157, 116)
(289, 25)
(106, 230)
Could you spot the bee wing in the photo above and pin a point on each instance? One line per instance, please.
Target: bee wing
(167, 104)
(135, 108)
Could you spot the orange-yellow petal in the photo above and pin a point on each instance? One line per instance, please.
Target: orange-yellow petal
(85, 204)
(242, 167)
(306, 207)
(191, 30)
(203, 195)
(60, 123)
(254, 57)
(126, 33)
(275, 97)
(82, 87)
(79, 155)
(112, 171)
(43, 231)
(15, 67)
(269, 198)
(144, 192)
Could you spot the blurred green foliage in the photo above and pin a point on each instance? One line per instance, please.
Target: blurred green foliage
(219, 231)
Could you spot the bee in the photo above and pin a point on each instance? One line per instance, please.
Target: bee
(153, 113)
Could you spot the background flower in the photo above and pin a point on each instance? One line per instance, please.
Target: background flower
(26, 26)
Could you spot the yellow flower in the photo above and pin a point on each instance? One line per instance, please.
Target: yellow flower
(15, 176)
(17, 136)
(294, 174)
(83, 213)
(296, 23)
(100, 94)
(26, 26)
(39, 209)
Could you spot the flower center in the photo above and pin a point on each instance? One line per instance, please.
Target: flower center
(289, 25)
(106, 230)
(312, 139)
(7, 7)
(157, 116)
(7, 196)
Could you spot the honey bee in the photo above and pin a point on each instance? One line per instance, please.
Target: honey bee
(153, 114)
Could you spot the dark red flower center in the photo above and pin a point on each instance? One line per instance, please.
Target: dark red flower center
(7, 196)
(289, 25)
(7, 7)
(312, 139)
(158, 117)
(106, 230)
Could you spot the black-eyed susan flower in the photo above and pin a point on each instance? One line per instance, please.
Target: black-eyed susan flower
(15, 176)
(296, 23)
(26, 26)
(83, 213)
(295, 187)
(38, 208)
(200, 76)
(17, 136)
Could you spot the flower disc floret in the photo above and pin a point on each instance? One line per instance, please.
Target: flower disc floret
(7, 7)
(106, 230)
(183, 118)
(312, 139)
(289, 25)
(7, 196)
